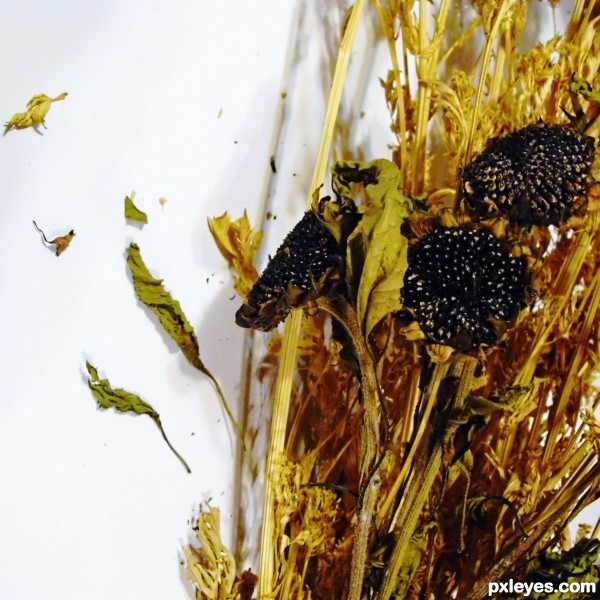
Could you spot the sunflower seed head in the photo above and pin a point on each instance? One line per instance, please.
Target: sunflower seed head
(462, 286)
(305, 266)
(538, 175)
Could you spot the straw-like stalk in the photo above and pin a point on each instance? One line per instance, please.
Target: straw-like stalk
(283, 382)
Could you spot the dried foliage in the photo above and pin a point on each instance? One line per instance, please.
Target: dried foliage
(35, 115)
(413, 469)
(60, 243)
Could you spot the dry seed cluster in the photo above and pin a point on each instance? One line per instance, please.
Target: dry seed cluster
(536, 176)
(307, 253)
(458, 282)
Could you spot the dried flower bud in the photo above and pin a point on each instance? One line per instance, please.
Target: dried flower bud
(536, 176)
(463, 286)
(306, 265)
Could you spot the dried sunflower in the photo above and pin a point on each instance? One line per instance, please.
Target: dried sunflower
(306, 265)
(463, 286)
(537, 175)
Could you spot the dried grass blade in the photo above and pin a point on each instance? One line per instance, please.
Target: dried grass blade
(571, 378)
(485, 64)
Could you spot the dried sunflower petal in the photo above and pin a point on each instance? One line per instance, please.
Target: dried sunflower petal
(305, 264)
(37, 109)
(462, 286)
(536, 176)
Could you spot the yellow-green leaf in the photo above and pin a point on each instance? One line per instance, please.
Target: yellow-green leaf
(377, 251)
(168, 310)
(132, 212)
(385, 296)
(385, 259)
(125, 402)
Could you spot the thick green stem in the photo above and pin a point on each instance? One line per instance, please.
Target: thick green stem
(370, 456)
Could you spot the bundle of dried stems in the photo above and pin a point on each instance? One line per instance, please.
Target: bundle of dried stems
(421, 447)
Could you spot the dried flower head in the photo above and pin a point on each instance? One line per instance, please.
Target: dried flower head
(305, 265)
(537, 175)
(462, 286)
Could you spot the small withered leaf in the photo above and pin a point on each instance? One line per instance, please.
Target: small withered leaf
(132, 212)
(61, 243)
(238, 243)
(125, 402)
(581, 86)
(119, 399)
(37, 109)
(168, 310)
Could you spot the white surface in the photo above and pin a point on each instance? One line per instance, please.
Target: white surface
(93, 504)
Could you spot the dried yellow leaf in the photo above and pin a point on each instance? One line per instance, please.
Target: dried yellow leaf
(35, 115)
(238, 242)
(211, 567)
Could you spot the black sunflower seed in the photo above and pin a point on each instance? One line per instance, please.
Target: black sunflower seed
(303, 267)
(536, 176)
(461, 286)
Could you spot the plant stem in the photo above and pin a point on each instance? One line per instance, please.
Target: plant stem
(283, 383)
(156, 419)
(425, 468)
(371, 455)
(485, 64)
(428, 57)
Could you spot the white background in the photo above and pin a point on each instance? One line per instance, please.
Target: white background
(181, 100)
(93, 504)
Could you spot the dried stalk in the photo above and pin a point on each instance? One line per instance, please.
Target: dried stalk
(485, 65)
(283, 383)
(426, 66)
(370, 458)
